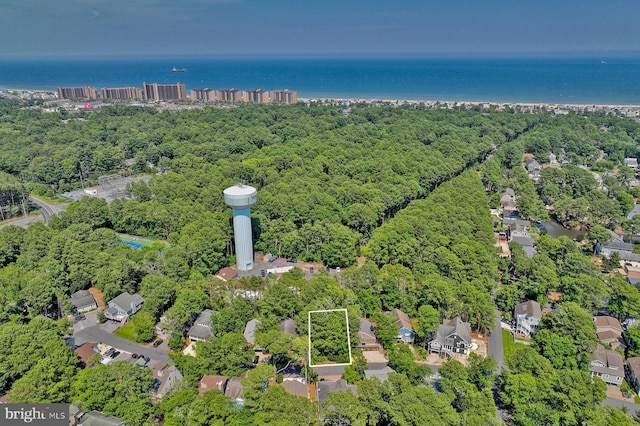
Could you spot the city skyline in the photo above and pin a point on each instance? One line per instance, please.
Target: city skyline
(287, 27)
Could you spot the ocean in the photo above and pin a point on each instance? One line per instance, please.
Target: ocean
(588, 80)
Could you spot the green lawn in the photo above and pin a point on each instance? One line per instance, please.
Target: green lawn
(128, 331)
(510, 346)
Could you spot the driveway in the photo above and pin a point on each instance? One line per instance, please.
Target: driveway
(496, 348)
(630, 406)
(96, 334)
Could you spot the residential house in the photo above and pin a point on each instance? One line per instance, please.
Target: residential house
(250, 331)
(616, 245)
(632, 273)
(367, 335)
(94, 418)
(85, 352)
(83, 301)
(405, 333)
(296, 388)
(325, 387)
(453, 336)
(123, 306)
(381, 374)
(169, 377)
(633, 373)
(201, 329)
(608, 365)
(527, 316)
(289, 326)
(533, 169)
(234, 388)
(210, 382)
(508, 199)
(631, 162)
(609, 330)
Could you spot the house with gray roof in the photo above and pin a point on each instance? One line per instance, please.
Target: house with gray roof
(83, 301)
(169, 377)
(527, 316)
(381, 374)
(508, 199)
(289, 326)
(608, 365)
(452, 337)
(616, 245)
(631, 162)
(296, 388)
(325, 387)
(250, 331)
(123, 306)
(201, 328)
(367, 335)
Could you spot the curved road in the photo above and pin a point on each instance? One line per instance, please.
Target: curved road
(46, 209)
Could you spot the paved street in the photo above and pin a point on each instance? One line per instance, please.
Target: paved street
(630, 406)
(96, 334)
(495, 341)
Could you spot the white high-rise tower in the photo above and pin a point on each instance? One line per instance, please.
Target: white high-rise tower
(240, 198)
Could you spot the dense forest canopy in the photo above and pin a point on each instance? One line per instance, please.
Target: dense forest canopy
(406, 189)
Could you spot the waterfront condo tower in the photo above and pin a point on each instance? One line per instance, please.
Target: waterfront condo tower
(240, 198)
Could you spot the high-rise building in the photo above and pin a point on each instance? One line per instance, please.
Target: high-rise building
(285, 96)
(121, 93)
(84, 92)
(240, 198)
(164, 92)
(257, 96)
(206, 94)
(229, 95)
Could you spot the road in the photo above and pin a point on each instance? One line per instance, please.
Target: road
(47, 210)
(496, 348)
(630, 406)
(96, 334)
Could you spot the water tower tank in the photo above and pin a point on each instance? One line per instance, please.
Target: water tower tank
(240, 198)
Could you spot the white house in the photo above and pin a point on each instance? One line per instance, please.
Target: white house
(527, 316)
(123, 306)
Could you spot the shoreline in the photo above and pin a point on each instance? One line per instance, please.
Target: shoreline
(51, 95)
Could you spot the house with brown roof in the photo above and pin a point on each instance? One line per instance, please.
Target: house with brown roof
(210, 382)
(85, 352)
(406, 334)
(633, 373)
(609, 330)
(607, 365)
(527, 316)
(226, 274)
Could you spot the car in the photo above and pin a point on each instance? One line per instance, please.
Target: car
(292, 260)
(338, 269)
(157, 343)
(114, 355)
(146, 359)
(256, 360)
(80, 317)
(263, 273)
(134, 356)
(273, 259)
(109, 352)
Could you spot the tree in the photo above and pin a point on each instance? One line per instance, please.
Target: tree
(403, 361)
(386, 329)
(428, 320)
(50, 378)
(228, 354)
(344, 408)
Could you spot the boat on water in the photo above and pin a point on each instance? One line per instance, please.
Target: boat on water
(174, 69)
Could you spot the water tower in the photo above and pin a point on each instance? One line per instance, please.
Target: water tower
(240, 198)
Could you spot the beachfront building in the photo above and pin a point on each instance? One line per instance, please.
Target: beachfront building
(121, 93)
(84, 92)
(164, 92)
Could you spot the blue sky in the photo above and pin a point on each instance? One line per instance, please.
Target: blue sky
(317, 27)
